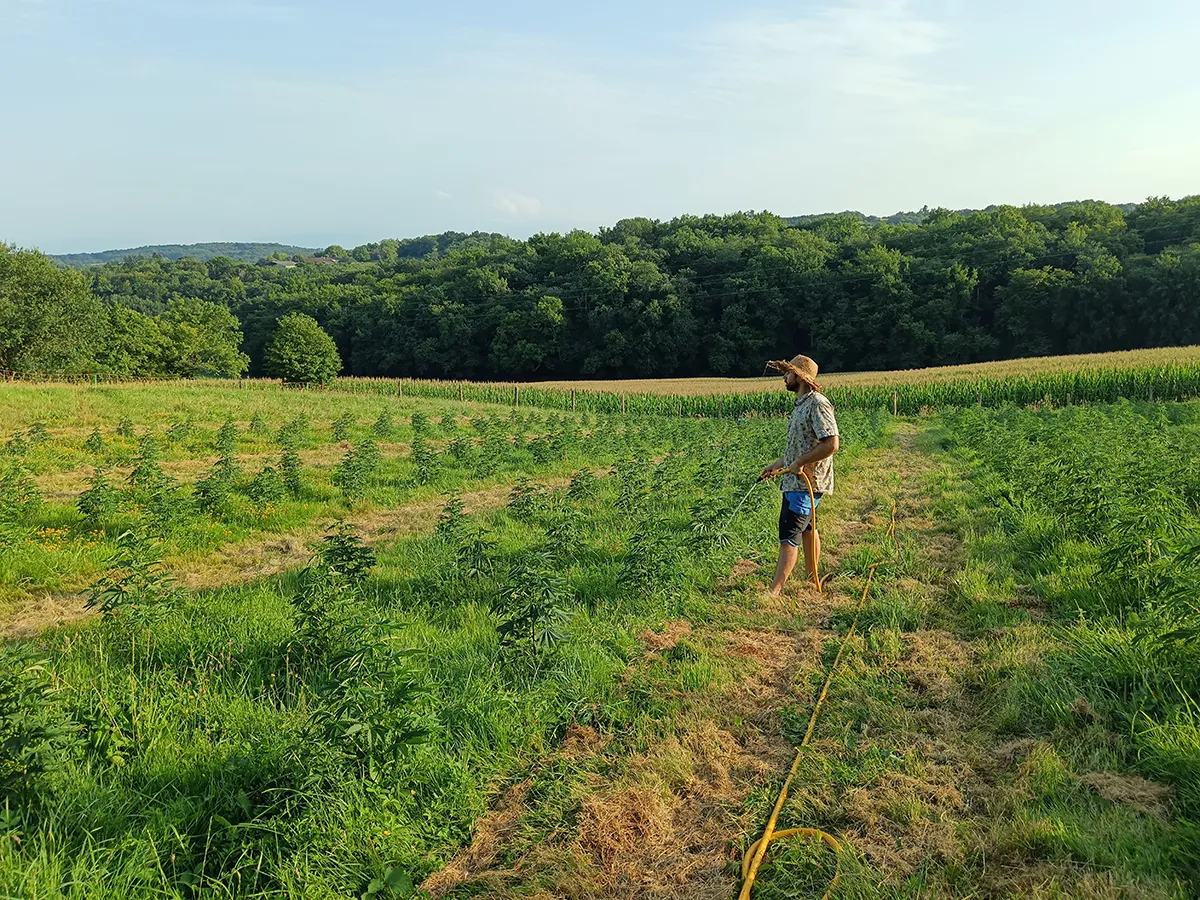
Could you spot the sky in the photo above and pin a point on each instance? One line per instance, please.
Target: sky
(132, 122)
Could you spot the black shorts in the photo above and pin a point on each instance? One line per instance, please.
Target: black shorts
(796, 518)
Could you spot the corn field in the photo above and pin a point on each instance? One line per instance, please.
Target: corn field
(1179, 381)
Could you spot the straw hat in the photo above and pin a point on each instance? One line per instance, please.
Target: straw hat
(800, 366)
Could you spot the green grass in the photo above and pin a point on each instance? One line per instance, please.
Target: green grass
(176, 749)
(226, 742)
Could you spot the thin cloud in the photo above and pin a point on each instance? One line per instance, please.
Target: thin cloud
(855, 68)
(516, 206)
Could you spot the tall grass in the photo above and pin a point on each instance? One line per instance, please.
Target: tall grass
(336, 732)
(1101, 508)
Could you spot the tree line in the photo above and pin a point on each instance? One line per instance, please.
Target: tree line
(697, 295)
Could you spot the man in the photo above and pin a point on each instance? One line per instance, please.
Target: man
(812, 439)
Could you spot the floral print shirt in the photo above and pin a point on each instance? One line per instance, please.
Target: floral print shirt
(812, 420)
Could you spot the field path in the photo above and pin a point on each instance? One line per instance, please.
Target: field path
(666, 816)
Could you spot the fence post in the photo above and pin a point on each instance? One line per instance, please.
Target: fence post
(981, 398)
(1151, 393)
(895, 402)
(400, 387)
(622, 404)
(460, 392)
(516, 396)
(572, 399)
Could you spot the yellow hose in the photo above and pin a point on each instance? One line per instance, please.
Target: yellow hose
(812, 505)
(757, 851)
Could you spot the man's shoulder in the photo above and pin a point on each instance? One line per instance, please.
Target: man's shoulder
(818, 401)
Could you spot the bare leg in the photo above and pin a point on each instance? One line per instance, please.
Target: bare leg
(787, 560)
(812, 553)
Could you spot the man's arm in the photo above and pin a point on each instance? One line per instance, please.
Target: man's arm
(822, 449)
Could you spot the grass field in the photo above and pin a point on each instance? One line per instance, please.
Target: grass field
(458, 650)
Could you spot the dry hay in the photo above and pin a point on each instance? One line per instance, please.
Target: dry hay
(490, 833)
(665, 830)
(932, 662)
(43, 611)
(743, 568)
(666, 826)
(1138, 793)
(902, 820)
(1056, 880)
(672, 632)
(583, 740)
(1010, 752)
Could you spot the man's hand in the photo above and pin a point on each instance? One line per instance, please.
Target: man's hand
(771, 471)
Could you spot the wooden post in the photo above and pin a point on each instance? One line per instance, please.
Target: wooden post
(981, 398)
(460, 392)
(400, 387)
(516, 396)
(572, 400)
(895, 402)
(681, 409)
(720, 407)
(622, 404)
(1151, 393)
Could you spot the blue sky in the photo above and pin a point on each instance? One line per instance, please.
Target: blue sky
(129, 122)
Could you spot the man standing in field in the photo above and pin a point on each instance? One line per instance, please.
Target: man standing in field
(812, 439)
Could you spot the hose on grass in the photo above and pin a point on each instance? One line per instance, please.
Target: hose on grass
(756, 852)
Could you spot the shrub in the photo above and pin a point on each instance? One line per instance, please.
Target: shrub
(289, 469)
(146, 469)
(212, 492)
(226, 442)
(341, 427)
(19, 495)
(266, 487)
(424, 460)
(294, 430)
(534, 602)
(95, 442)
(384, 428)
(353, 475)
(38, 433)
(180, 430)
(134, 585)
(17, 444)
(300, 352)
(344, 551)
(36, 731)
(100, 501)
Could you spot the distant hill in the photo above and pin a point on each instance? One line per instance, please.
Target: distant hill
(918, 217)
(242, 252)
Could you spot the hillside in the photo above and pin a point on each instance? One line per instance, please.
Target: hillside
(917, 217)
(243, 252)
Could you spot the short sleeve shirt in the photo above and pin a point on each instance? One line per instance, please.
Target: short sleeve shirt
(812, 420)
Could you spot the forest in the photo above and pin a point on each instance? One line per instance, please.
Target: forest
(696, 295)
